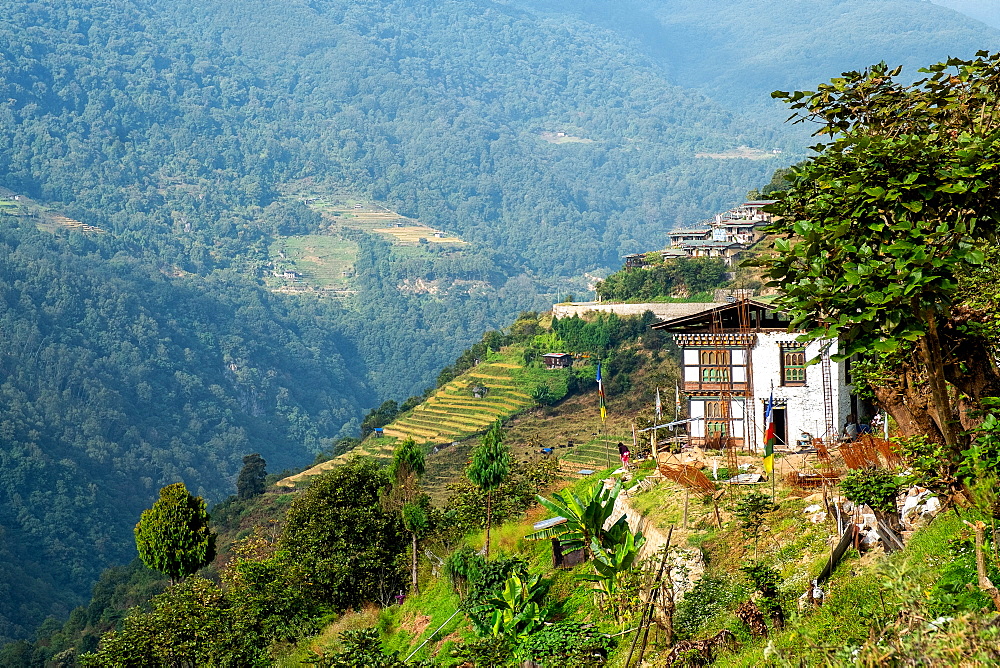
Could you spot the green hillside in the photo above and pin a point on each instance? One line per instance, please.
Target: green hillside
(453, 413)
(147, 338)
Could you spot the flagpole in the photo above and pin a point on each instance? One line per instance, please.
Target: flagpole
(773, 474)
(604, 413)
(769, 440)
(658, 415)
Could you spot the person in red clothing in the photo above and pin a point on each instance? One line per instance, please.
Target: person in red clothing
(624, 452)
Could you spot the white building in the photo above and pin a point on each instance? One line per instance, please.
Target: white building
(735, 356)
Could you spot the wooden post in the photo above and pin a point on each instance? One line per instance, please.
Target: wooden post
(687, 494)
(607, 446)
(647, 612)
(652, 445)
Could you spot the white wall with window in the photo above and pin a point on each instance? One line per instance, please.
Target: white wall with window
(779, 364)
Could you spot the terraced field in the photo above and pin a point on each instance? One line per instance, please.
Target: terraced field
(323, 262)
(596, 455)
(453, 413)
(344, 211)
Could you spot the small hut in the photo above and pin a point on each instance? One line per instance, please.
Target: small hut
(557, 360)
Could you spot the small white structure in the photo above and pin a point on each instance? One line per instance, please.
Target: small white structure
(735, 356)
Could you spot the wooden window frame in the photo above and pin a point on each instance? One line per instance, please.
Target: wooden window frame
(715, 365)
(793, 365)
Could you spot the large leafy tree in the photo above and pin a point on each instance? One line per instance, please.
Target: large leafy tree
(191, 624)
(886, 221)
(490, 466)
(173, 536)
(341, 544)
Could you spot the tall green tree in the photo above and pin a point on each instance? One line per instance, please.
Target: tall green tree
(405, 471)
(341, 543)
(882, 224)
(490, 466)
(250, 482)
(173, 536)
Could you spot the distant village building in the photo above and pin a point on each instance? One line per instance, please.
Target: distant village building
(678, 237)
(557, 360)
(728, 251)
(740, 231)
(636, 261)
(735, 356)
(673, 253)
(726, 237)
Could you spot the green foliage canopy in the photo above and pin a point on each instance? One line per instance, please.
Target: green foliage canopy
(173, 536)
(894, 206)
(342, 544)
(691, 275)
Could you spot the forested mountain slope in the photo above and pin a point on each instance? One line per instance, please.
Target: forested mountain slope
(552, 141)
(116, 380)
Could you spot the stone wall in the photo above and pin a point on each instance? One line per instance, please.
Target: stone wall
(662, 311)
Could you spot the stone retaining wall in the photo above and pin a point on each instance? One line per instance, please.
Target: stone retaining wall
(661, 311)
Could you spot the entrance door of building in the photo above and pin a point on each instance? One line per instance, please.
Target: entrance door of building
(780, 425)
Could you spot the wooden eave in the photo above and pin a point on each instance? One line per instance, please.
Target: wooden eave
(761, 317)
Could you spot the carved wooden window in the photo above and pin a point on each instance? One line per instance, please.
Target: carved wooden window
(715, 366)
(793, 365)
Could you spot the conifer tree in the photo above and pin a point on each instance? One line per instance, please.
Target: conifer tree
(250, 482)
(490, 466)
(405, 471)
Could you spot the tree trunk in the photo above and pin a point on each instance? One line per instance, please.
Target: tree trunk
(413, 565)
(984, 583)
(907, 399)
(930, 350)
(968, 365)
(489, 520)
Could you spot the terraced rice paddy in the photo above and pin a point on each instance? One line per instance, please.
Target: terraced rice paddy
(70, 224)
(453, 413)
(323, 262)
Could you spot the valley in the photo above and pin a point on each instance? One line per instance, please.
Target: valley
(242, 226)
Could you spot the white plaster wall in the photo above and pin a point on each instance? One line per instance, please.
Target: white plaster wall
(804, 404)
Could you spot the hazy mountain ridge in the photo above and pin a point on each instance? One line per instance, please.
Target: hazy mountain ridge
(737, 50)
(986, 11)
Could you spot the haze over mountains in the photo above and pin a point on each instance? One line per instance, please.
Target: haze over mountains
(552, 136)
(986, 11)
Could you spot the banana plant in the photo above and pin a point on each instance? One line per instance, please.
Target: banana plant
(611, 563)
(520, 609)
(585, 519)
